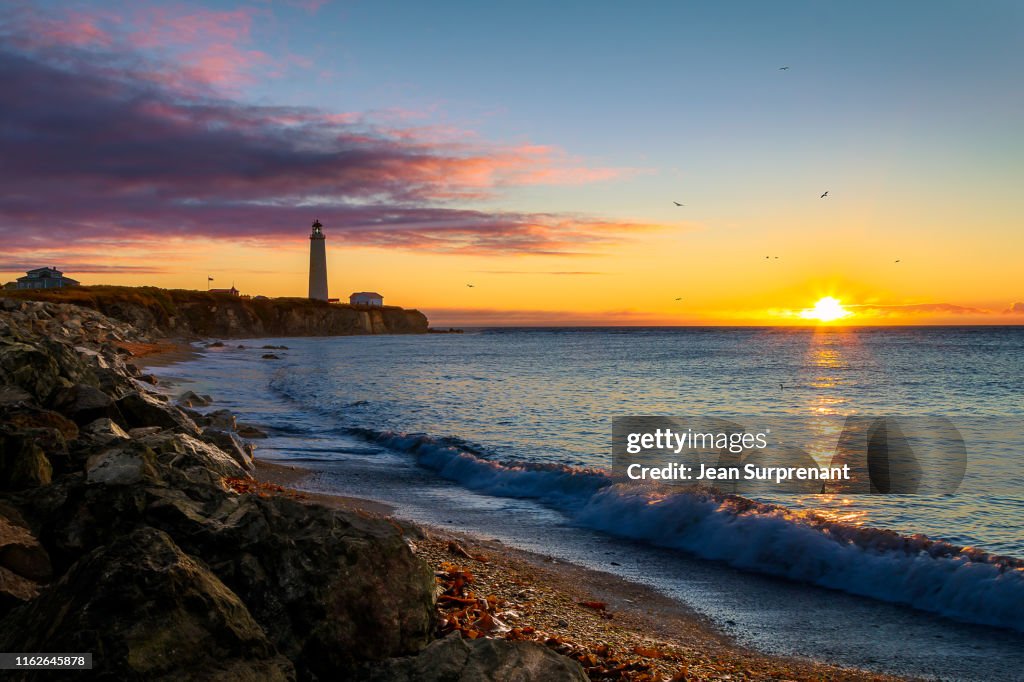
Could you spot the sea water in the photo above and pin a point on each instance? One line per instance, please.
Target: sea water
(507, 432)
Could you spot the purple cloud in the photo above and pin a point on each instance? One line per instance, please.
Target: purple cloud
(100, 144)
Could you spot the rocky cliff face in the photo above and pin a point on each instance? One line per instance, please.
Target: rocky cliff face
(198, 313)
(129, 530)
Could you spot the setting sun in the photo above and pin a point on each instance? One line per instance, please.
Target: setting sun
(826, 309)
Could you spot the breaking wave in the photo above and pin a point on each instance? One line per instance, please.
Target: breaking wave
(935, 576)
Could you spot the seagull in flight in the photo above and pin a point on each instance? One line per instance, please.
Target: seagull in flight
(897, 260)
(680, 298)
(824, 195)
(470, 285)
(783, 68)
(678, 204)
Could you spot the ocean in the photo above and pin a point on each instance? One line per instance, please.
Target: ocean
(507, 433)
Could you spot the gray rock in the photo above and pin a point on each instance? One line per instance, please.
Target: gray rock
(20, 551)
(330, 588)
(23, 463)
(142, 409)
(12, 395)
(196, 460)
(102, 431)
(250, 431)
(221, 419)
(191, 399)
(125, 465)
(84, 403)
(29, 368)
(148, 611)
(231, 444)
(453, 659)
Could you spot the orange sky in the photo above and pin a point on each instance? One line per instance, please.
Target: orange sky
(196, 141)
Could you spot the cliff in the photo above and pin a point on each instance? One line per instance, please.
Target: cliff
(179, 312)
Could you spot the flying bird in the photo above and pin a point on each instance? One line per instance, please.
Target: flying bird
(678, 204)
(824, 195)
(783, 68)
(470, 286)
(680, 298)
(897, 260)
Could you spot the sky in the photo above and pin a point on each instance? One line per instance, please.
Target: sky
(533, 150)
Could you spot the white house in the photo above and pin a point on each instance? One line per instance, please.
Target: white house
(366, 298)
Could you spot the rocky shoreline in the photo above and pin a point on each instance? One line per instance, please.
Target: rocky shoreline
(182, 313)
(123, 533)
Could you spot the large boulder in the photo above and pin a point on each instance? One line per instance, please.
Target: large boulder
(250, 431)
(454, 659)
(23, 463)
(221, 419)
(84, 403)
(29, 368)
(20, 551)
(26, 416)
(230, 443)
(142, 409)
(129, 464)
(193, 399)
(23, 561)
(330, 588)
(102, 432)
(196, 460)
(147, 610)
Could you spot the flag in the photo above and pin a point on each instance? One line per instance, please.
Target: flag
(209, 279)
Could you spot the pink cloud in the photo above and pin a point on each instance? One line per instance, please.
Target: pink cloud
(99, 153)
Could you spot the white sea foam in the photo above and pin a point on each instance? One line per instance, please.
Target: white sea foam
(934, 576)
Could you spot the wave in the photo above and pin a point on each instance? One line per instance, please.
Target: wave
(935, 576)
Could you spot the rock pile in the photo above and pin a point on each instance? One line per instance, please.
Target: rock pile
(121, 535)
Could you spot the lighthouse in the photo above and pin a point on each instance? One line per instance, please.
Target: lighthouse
(317, 263)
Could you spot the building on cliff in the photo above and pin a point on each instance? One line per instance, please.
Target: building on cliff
(371, 298)
(45, 278)
(317, 263)
(231, 292)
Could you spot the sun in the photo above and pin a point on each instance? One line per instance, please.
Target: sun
(827, 309)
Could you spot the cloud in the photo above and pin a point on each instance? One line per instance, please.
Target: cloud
(486, 317)
(188, 47)
(82, 267)
(541, 272)
(100, 144)
(899, 310)
(1015, 309)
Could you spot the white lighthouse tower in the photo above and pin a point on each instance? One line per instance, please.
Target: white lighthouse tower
(317, 263)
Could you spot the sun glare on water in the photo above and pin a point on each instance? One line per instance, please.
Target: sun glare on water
(827, 309)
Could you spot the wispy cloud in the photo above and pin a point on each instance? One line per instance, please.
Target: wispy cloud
(486, 317)
(904, 309)
(1015, 309)
(541, 272)
(82, 267)
(103, 142)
